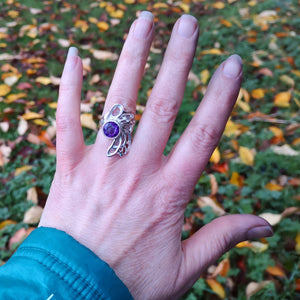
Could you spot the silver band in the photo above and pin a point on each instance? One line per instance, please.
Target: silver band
(118, 125)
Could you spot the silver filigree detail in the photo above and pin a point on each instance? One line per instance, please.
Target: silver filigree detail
(125, 121)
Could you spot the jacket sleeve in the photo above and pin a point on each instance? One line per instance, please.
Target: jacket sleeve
(50, 264)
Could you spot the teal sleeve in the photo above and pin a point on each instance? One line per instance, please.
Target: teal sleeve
(51, 265)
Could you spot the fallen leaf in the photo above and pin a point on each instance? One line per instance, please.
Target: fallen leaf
(216, 156)
(276, 271)
(204, 75)
(43, 80)
(226, 23)
(284, 150)
(32, 195)
(273, 187)
(273, 219)
(287, 79)
(22, 127)
(297, 240)
(254, 287)
(7, 222)
(103, 26)
(33, 215)
(246, 156)
(216, 287)
(236, 179)
(87, 121)
(104, 55)
(283, 99)
(218, 5)
(222, 268)
(4, 126)
(31, 115)
(23, 169)
(258, 93)
(4, 89)
(207, 201)
(213, 184)
(214, 51)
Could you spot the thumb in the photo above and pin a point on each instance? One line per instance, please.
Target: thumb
(211, 241)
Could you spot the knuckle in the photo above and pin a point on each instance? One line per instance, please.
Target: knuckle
(65, 123)
(66, 87)
(133, 57)
(204, 137)
(117, 96)
(163, 109)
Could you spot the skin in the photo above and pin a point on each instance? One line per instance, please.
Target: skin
(129, 210)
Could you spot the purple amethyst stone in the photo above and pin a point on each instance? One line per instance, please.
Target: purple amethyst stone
(111, 129)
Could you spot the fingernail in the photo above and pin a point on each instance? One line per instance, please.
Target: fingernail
(233, 66)
(259, 232)
(187, 26)
(72, 52)
(143, 25)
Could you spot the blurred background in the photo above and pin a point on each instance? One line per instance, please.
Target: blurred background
(255, 168)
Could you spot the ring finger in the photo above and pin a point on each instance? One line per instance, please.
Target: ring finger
(130, 68)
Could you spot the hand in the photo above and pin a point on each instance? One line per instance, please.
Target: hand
(129, 210)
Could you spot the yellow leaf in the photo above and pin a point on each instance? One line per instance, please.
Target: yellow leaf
(276, 131)
(87, 121)
(216, 287)
(236, 179)
(204, 75)
(117, 14)
(4, 89)
(252, 3)
(32, 195)
(246, 156)
(13, 97)
(273, 187)
(276, 271)
(214, 51)
(258, 247)
(218, 5)
(43, 80)
(3, 35)
(216, 156)
(13, 13)
(245, 244)
(160, 5)
(52, 105)
(93, 20)
(7, 222)
(33, 215)
(40, 122)
(21, 170)
(3, 45)
(297, 248)
(185, 7)
(273, 219)
(129, 1)
(231, 129)
(226, 23)
(82, 24)
(296, 72)
(283, 99)
(31, 115)
(258, 93)
(103, 26)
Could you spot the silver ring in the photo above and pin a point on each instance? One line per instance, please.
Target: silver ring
(118, 125)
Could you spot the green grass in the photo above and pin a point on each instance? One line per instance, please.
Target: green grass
(277, 48)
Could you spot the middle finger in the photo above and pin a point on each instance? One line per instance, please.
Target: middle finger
(165, 99)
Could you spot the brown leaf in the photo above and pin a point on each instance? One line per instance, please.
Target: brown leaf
(276, 271)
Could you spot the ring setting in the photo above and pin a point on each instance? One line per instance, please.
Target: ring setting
(118, 125)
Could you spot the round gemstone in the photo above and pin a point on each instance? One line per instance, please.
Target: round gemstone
(111, 129)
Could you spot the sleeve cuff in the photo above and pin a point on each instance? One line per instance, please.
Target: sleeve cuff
(74, 265)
